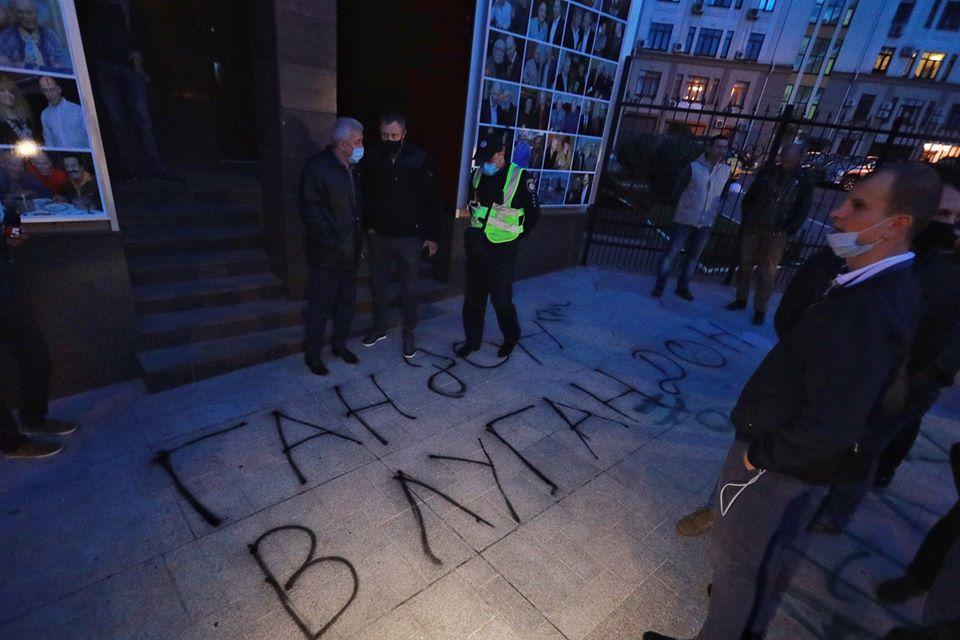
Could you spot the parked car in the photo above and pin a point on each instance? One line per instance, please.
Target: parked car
(846, 172)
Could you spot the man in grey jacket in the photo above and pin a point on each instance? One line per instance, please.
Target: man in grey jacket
(697, 193)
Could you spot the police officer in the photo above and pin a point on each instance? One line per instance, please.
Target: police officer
(503, 209)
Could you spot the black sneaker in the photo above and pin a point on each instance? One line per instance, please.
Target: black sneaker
(317, 367)
(657, 292)
(346, 355)
(409, 347)
(33, 450)
(506, 349)
(899, 590)
(373, 337)
(49, 427)
(737, 305)
(758, 317)
(464, 350)
(685, 294)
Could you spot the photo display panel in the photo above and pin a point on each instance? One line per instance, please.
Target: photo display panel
(49, 169)
(548, 76)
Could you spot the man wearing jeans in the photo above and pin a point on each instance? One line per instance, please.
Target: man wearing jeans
(803, 416)
(774, 208)
(697, 193)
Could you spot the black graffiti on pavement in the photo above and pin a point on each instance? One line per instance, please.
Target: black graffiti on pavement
(441, 370)
(543, 331)
(491, 428)
(357, 412)
(493, 470)
(608, 402)
(575, 424)
(310, 562)
(163, 458)
(405, 481)
(714, 420)
(675, 413)
(288, 448)
(723, 333)
(555, 312)
(681, 351)
(478, 365)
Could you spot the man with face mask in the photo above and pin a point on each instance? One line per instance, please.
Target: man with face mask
(401, 216)
(330, 205)
(504, 208)
(805, 418)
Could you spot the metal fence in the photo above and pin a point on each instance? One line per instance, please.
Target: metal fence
(629, 226)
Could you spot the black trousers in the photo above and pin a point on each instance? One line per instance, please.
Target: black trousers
(386, 252)
(928, 562)
(490, 273)
(21, 339)
(333, 292)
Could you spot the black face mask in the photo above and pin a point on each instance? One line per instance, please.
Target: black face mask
(392, 146)
(938, 236)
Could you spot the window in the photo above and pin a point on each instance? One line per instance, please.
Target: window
(709, 42)
(930, 62)
(804, 45)
(766, 5)
(833, 56)
(950, 18)
(910, 110)
(900, 19)
(725, 49)
(832, 10)
(696, 89)
(690, 35)
(864, 106)
(648, 85)
(754, 44)
(933, 14)
(817, 53)
(738, 94)
(945, 76)
(882, 63)
(787, 92)
(719, 3)
(659, 37)
(850, 11)
(952, 123)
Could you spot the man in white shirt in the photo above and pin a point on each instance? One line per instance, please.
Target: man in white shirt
(63, 121)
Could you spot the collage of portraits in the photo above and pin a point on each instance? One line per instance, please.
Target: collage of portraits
(548, 79)
(46, 165)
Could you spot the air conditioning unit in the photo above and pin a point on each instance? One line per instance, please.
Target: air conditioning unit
(848, 103)
(908, 52)
(697, 8)
(738, 55)
(641, 44)
(678, 47)
(753, 14)
(672, 103)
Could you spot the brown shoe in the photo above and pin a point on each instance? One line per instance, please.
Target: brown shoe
(32, 450)
(697, 523)
(49, 427)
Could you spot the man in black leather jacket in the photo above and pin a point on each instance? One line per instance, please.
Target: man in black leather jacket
(330, 207)
(401, 217)
(803, 416)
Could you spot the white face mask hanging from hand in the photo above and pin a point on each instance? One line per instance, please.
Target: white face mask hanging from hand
(847, 245)
(743, 486)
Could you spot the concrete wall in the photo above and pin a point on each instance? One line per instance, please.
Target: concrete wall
(296, 74)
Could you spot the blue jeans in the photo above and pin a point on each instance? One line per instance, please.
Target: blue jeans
(747, 548)
(691, 240)
(123, 92)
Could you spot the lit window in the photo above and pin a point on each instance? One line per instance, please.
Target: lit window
(696, 90)
(738, 94)
(929, 65)
(766, 5)
(882, 62)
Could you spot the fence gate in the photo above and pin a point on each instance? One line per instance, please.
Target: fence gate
(630, 224)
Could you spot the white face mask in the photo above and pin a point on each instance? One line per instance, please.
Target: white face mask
(847, 245)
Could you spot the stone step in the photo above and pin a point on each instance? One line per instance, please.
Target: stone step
(154, 216)
(197, 325)
(191, 240)
(212, 292)
(177, 267)
(176, 366)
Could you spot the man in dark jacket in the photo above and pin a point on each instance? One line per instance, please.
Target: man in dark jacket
(504, 208)
(801, 418)
(21, 339)
(774, 208)
(330, 199)
(401, 218)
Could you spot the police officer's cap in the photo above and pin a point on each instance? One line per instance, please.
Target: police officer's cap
(488, 147)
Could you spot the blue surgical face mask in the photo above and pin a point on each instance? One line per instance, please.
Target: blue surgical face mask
(357, 155)
(489, 168)
(847, 245)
